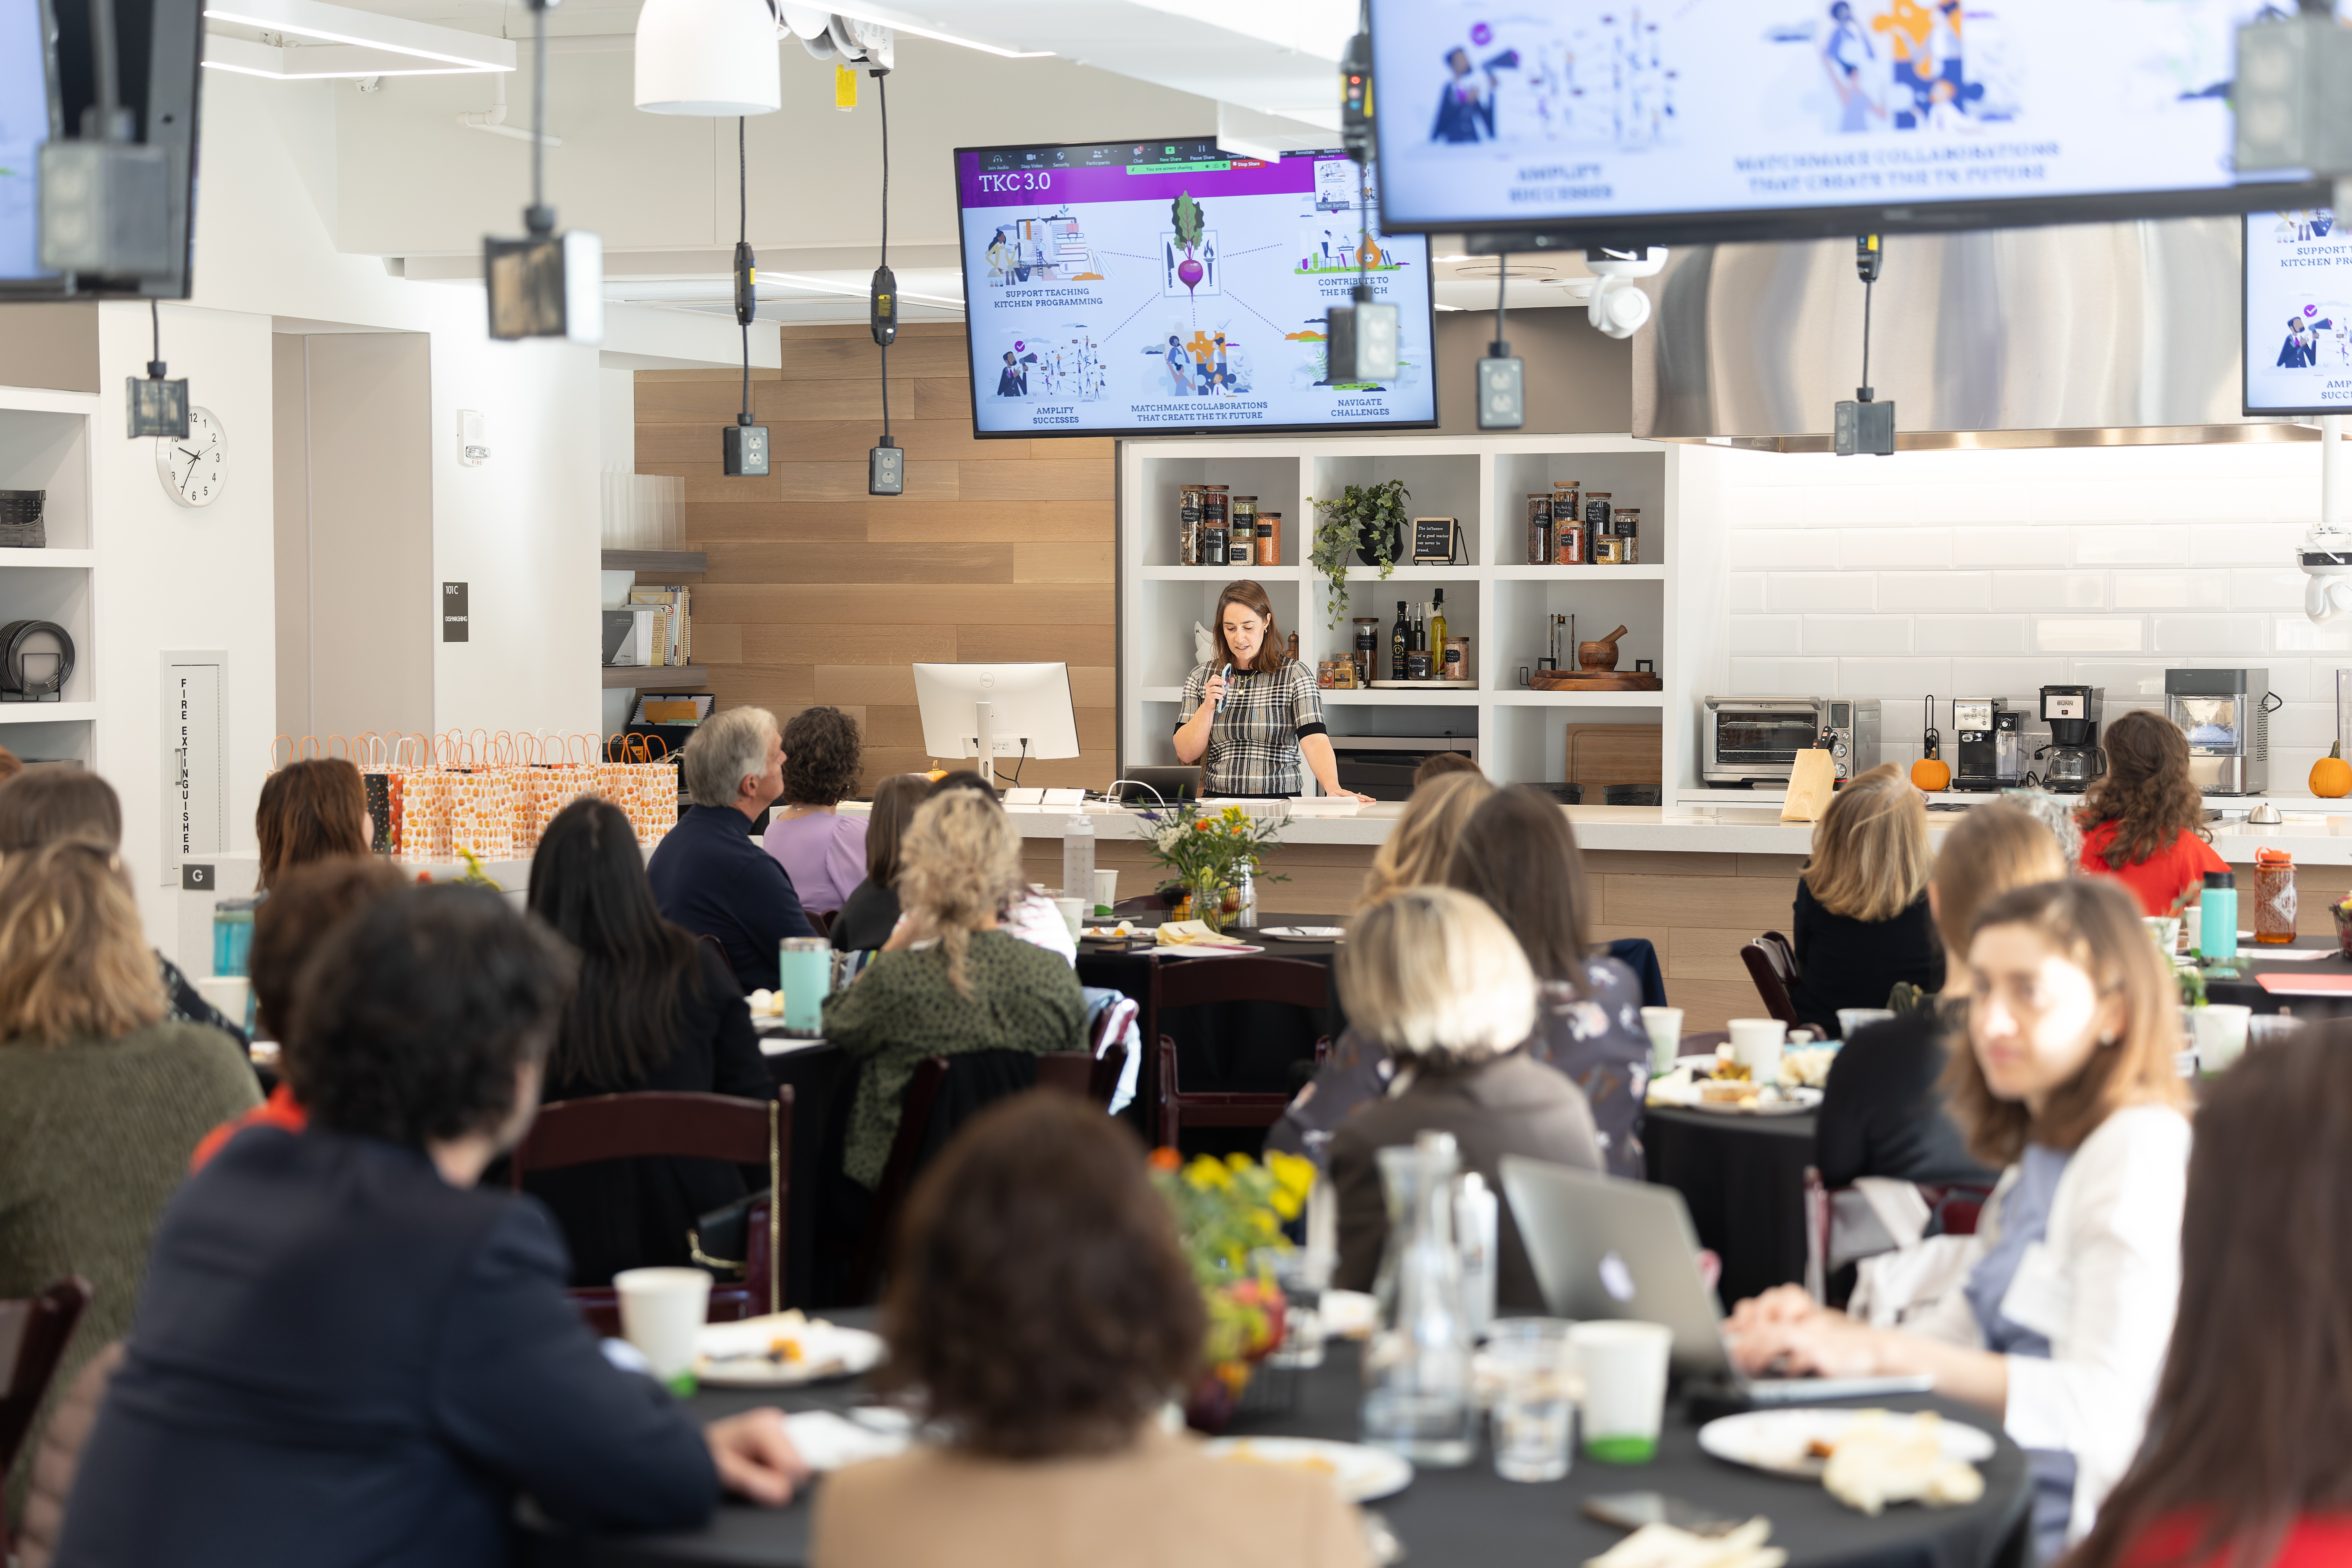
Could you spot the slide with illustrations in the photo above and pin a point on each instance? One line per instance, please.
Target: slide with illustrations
(1595, 108)
(2298, 313)
(1165, 285)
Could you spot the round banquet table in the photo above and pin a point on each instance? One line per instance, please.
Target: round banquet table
(1445, 1517)
(2254, 962)
(1743, 1179)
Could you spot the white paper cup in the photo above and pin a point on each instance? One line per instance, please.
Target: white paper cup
(1106, 888)
(1664, 1028)
(1624, 1368)
(231, 994)
(1853, 1020)
(1756, 1045)
(2220, 1034)
(2166, 929)
(662, 1313)
(1073, 913)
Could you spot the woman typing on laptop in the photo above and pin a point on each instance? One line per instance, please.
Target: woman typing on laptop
(2057, 1314)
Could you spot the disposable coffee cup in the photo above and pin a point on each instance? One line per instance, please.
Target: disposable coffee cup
(2220, 1029)
(662, 1313)
(1073, 913)
(1106, 890)
(1756, 1045)
(1624, 1368)
(230, 994)
(1664, 1028)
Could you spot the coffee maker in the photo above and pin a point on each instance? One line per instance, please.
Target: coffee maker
(1989, 756)
(2072, 713)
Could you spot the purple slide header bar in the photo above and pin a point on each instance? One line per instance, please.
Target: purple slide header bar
(1030, 187)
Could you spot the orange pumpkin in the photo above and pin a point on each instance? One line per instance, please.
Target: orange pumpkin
(2331, 776)
(1930, 774)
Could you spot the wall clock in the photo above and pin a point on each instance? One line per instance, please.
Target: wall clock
(195, 467)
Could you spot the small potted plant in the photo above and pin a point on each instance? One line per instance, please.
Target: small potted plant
(1226, 1210)
(1205, 849)
(1366, 523)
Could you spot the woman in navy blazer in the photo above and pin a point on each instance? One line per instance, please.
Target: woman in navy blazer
(346, 1352)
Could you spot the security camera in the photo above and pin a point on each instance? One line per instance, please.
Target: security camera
(2325, 557)
(1616, 308)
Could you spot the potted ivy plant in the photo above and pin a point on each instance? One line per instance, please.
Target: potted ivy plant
(1366, 522)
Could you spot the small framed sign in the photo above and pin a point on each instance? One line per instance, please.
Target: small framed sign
(1435, 541)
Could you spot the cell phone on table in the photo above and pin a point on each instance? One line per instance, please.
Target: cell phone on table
(1632, 1510)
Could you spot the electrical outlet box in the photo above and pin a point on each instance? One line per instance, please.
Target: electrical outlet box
(1866, 428)
(886, 472)
(473, 437)
(105, 209)
(1362, 341)
(546, 286)
(745, 447)
(158, 407)
(1502, 394)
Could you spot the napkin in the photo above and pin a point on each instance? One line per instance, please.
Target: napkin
(1194, 934)
(828, 1443)
(1664, 1546)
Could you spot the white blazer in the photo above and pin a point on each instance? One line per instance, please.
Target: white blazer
(2102, 1285)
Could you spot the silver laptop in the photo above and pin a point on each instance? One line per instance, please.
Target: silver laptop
(1605, 1248)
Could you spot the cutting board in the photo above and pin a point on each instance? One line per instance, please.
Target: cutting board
(1594, 680)
(1602, 754)
(1813, 780)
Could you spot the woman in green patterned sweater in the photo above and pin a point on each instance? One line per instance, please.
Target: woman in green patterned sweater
(948, 982)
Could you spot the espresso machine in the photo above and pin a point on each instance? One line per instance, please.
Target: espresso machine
(2072, 713)
(1989, 756)
(2226, 715)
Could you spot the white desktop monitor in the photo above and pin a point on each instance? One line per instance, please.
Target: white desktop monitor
(1023, 709)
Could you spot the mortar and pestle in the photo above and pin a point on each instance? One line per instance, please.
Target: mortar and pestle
(1599, 657)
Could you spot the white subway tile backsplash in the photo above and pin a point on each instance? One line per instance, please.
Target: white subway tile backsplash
(2010, 544)
(2109, 500)
(2012, 678)
(2171, 590)
(1857, 634)
(1766, 634)
(2111, 633)
(2299, 634)
(1818, 591)
(1897, 547)
(1900, 682)
(1971, 635)
(1782, 549)
(1747, 592)
(2139, 544)
(2267, 588)
(2303, 724)
(2049, 590)
(2118, 679)
(2207, 634)
(1942, 592)
(2243, 543)
(1781, 678)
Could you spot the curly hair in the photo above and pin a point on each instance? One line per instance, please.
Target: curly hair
(308, 902)
(821, 757)
(959, 862)
(2147, 792)
(1038, 1298)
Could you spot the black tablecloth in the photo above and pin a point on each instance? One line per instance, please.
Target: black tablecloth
(1467, 1516)
(1743, 1179)
(2246, 991)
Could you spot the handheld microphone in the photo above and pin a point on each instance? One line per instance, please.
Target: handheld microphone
(1228, 692)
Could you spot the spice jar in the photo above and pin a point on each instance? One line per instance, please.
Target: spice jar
(1213, 522)
(1241, 531)
(1569, 547)
(1626, 520)
(1458, 659)
(1368, 646)
(1188, 525)
(1269, 539)
(2274, 900)
(1539, 524)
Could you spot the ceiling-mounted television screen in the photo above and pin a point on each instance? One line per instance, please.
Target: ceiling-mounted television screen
(2298, 312)
(1725, 120)
(1163, 288)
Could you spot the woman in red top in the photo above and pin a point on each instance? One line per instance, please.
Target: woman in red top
(2245, 1464)
(2144, 823)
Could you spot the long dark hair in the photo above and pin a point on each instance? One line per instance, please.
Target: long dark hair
(895, 800)
(588, 883)
(2146, 793)
(2253, 1417)
(1517, 854)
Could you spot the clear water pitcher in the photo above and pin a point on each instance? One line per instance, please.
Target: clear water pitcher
(1417, 1390)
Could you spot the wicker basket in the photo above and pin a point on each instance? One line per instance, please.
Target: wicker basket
(21, 527)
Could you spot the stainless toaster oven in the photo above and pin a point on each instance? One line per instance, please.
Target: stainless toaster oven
(1747, 742)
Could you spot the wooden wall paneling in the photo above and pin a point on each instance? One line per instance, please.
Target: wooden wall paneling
(1000, 551)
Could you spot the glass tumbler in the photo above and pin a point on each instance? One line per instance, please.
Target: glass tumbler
(1534, 1413)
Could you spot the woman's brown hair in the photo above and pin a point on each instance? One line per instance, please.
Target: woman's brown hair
(308, 902)
(1519, 855)
(1421, 846)
(1993, 847)
(74, 959)
(2252, 1415)
(311, 810)
(1870, 852)
(2146, 793)
(45, 805)
(821, 755)
(895, 800)
(2094, 924)
(1038, 1298)
(1271, 655)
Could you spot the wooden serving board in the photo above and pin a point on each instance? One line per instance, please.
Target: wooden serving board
(1593, 680)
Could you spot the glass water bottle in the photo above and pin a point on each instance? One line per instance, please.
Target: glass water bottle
(1417, 1391)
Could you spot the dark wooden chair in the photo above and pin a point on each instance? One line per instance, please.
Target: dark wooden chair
(1838, 1231)
(1772, 966)
(679, 1126)
(33, 1335)
(898, 1176)
(1091, 1078)
(1197, 981)
(823, 919)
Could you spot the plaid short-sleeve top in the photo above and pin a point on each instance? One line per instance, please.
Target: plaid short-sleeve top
(1254, 742)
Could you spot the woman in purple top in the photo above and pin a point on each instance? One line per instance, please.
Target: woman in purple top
(822, 851)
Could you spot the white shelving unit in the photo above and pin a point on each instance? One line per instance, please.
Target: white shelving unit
(1672, 604)
(45, 445)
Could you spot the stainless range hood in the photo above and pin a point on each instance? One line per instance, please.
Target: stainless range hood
(2093, 335)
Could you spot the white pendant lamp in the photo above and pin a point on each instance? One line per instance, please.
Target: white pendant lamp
(707, 56)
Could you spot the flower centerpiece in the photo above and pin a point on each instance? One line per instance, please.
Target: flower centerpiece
(1226, 1210)
(1205, 849)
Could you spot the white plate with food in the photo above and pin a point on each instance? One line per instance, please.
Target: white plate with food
(1771, 1100)
(1361, 1474)
(1799, 1442)
(784, 1350)
(1303, 933)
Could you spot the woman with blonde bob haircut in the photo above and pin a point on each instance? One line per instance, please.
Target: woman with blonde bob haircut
(2055, 1315)
(101, 1099)
(1862, 919)
(1434, 978)
(1421, 846)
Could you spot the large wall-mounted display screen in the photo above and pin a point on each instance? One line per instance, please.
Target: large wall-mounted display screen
(1153, 287)
(2298, 312)
(1779, 119)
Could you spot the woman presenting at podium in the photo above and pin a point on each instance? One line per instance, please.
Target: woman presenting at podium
(1250, 713)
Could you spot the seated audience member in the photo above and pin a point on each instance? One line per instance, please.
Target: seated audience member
(1882, 1113)
(655, 1009)
(709, 874)
(54, 802)
(1437, 765)
(1041, 1308)
(821, 850)
(10, 765)
(101, 1097)
(2247, 1438)
(1862, 920)
(311, 810)
(1421, 846)
(2060, 1325)
(1027, 913)
(309, 903)
(871, 912)
(1433, 978)
(347, 1350)
(951, 979)
(2144, 822)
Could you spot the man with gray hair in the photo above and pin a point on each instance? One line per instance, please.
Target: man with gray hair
(710, 875)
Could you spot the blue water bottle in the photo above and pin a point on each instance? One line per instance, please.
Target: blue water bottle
(2217, 930)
